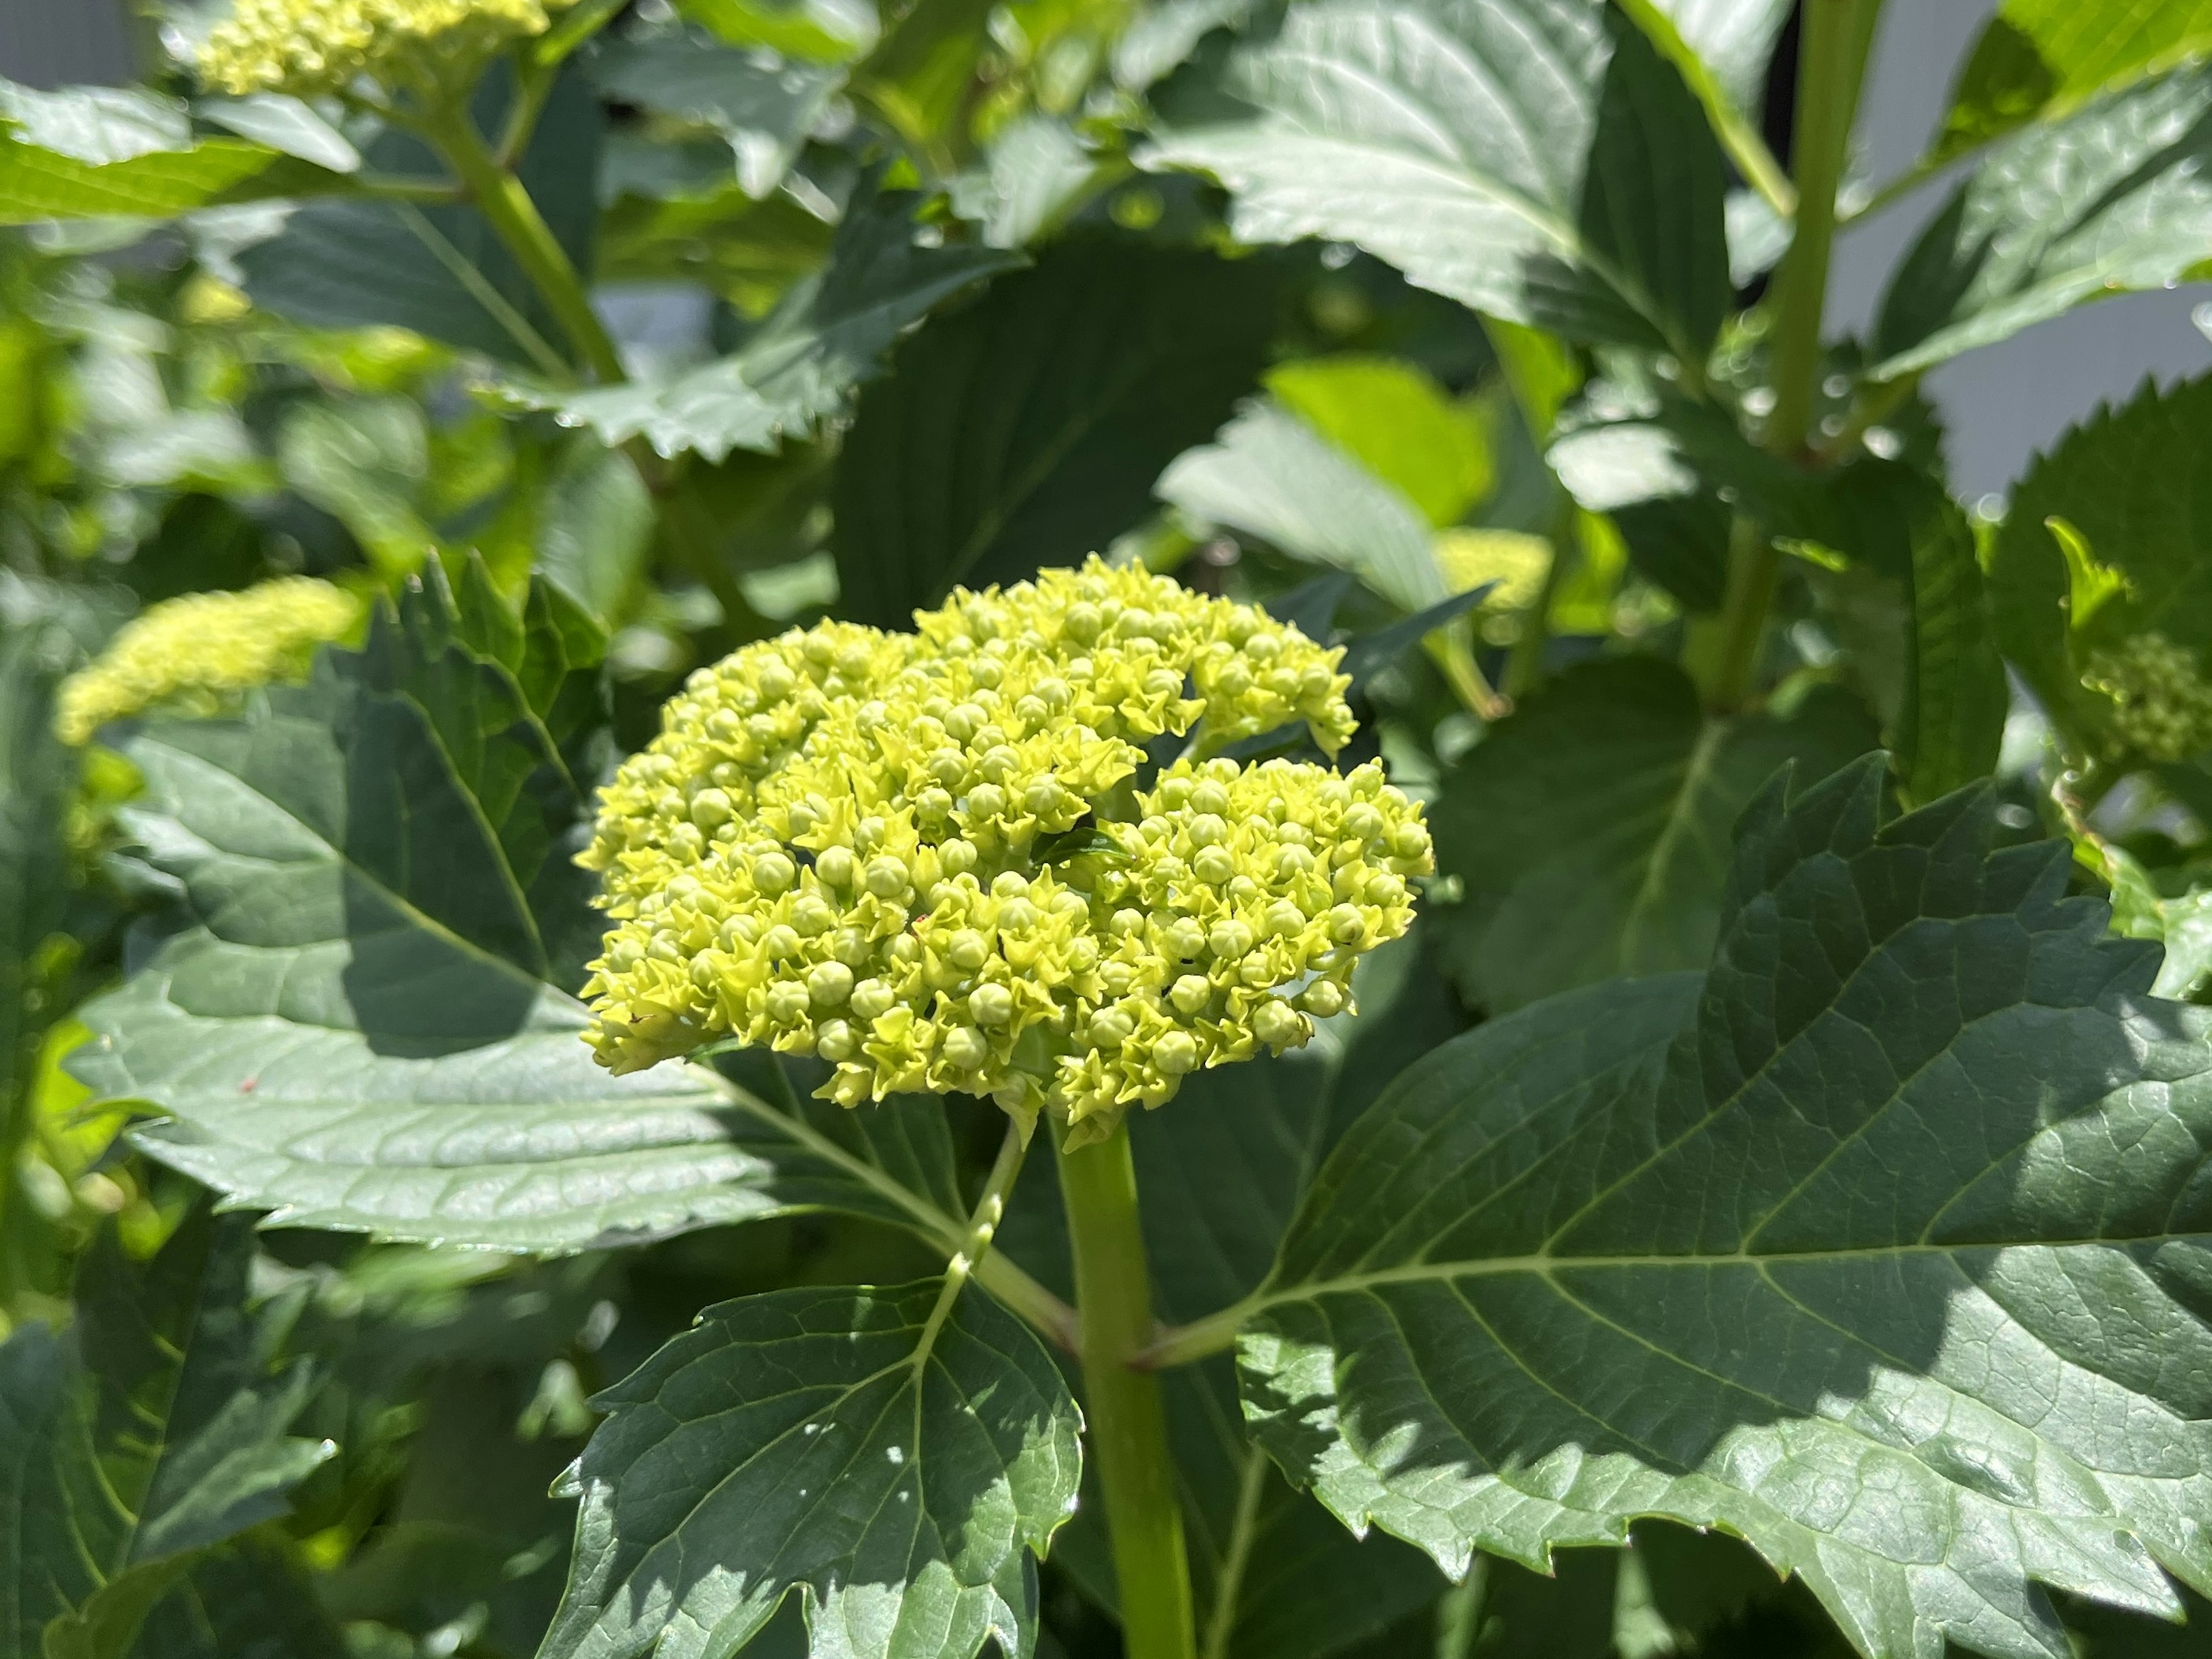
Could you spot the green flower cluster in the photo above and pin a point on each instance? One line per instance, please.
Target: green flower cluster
(2161, 703)
(306, 46)
(924, 857)
(196, 653)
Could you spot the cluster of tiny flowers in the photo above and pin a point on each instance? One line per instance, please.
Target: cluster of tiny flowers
(319, 46)
(196, 653)
(924, 858)
(2161, 703)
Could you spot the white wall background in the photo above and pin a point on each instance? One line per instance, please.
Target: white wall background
(2000, 403)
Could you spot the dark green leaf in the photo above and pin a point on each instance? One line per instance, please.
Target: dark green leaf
(437, 270)
(1829, 1250)
(2131, 482)
(2113, 198)
(1956, 698)
(152, 1430)
(1027, 430)
(1535, 160)
(921, 75)
(1590, 828)
(354, 1032)
(246, 1601)
(828, 334)
(898, 1471)
(2037, 58)
(35, 887)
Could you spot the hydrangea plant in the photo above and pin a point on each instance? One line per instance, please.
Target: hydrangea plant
(891, 831)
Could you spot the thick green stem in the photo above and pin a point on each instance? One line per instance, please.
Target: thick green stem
(499, 197)
(1128, 1433)
(1831, 66)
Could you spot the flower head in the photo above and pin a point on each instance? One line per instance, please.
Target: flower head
(925, 857)
(317, 45)
(2161, 703)
(199, 652)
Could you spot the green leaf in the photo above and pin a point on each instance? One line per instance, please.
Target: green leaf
(1535, 160)
(1590, 828)
(2109, 199)
(971, 463)
(763, 110)
(1862, 1249)
(34, 884)
(2180, 924)
(1269, 474)
(2037, 58)
(899, 1469)
(816, 31)
(355, 1033)
(1956, 697)
(1398, 422)
(440, 271)
(151, 1429)
(2123, 482)
(248, 1599)
(921, 75)
(1037, 171)
(95, 152)
(286, 124)
(1734, 40)
(828, 334)
(660, 230)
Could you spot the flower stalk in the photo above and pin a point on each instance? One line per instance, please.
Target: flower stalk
(1127, 1422)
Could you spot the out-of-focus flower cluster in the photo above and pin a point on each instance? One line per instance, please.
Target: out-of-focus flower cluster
(305, 46)
(2161, 703)
(924, 857)
(196, 653)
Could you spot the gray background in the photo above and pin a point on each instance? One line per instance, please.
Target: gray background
(2000, 403)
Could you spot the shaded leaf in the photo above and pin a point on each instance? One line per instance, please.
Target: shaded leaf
(353, 1032)
(1535, 160)
(1956, 697)
(830, 333)
(1826, 1249)
(1026, 431)
(440, 271)
(151, 1429)
(2113, 198)
(1590, 828)
(901, 1473)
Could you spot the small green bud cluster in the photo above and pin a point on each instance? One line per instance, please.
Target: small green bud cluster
(308, 46)
(2161, 703)
(857, 845)
(196, 653)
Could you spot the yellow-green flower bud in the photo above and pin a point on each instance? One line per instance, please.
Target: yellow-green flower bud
(2161, 702)
(198, 654)
(837, 846)
(308, 47)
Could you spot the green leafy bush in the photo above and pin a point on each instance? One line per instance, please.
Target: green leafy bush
(641, 645)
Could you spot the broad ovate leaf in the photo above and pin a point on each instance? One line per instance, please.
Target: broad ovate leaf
(1883, 1246)
(899, 1465)
(967, 465)
(1533, 159)
(828, 334)
(1590, 829)
(2113, 198)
